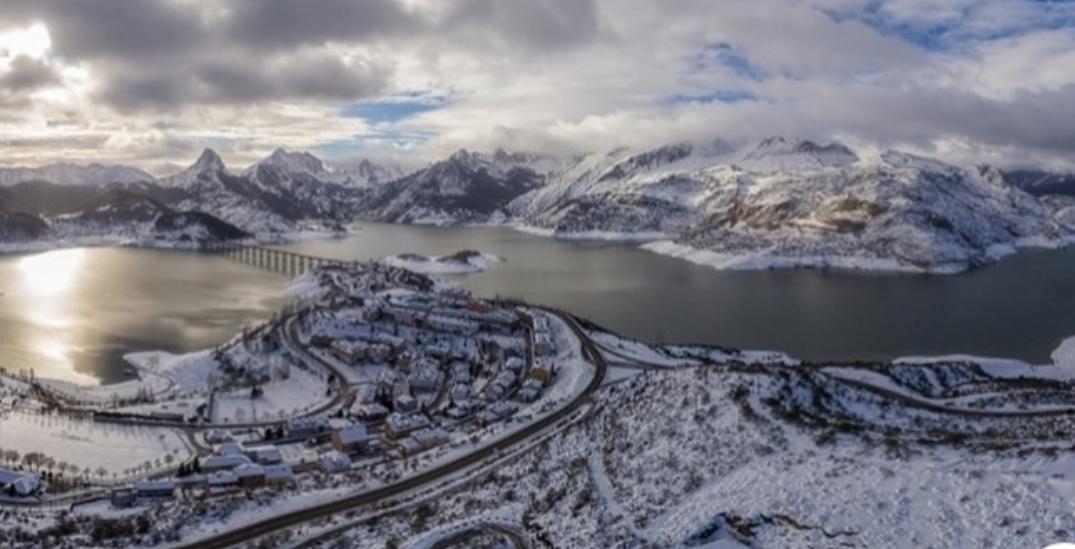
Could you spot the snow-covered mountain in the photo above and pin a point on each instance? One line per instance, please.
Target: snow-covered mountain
(208, 186)
(282, 193)
(113, 216)
(785, 202)
(367, 174)
(467, 187)
(1040, 182)
(779, 203)
(73, 174)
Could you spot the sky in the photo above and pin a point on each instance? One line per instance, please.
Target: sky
(152, 82)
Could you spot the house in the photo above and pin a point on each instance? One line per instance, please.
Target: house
(189, 482)
(420, 441)
(542, 371)
(428, 378)
(398, 425)
(250, 476)
(453, 325)
(379, 352)
(18, 483)
(123, 497)
(386, 380)
(530, 391)
(461, 372)
(334, 462)
(500, 385)
(402, 398)
(409, 447)
(279, 474)
(217, 436)
(230, 449)
(366, 394)
(154, 488)
(221, 481)
(369, 412)
(405, 403)
(496, 411)
(223, 463)
(457, 411)
(442, 350)
(350, 439)
(514, 364)
(459, 392)
(431, 438)
(307, 427)
(543, 344)
(265, 455)
(349, 351)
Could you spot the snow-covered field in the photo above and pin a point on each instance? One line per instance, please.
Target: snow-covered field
(118, 449)
(301, 392)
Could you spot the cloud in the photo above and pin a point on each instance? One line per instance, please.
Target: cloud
(289, 23)
(158, 79)
(28, 74)
(544, 25)
(307, 75)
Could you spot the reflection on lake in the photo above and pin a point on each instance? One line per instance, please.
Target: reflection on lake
(72, 314)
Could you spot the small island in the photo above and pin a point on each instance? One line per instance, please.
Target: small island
(461, 262)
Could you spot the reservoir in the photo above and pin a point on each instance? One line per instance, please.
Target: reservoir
(74, 313)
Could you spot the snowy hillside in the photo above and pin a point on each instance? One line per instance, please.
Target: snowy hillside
(368, 174)
(467, 187)
(1038, 182)
(272, 197)
(787, 203)
(778, 203)
(126, 217)
(73, 174)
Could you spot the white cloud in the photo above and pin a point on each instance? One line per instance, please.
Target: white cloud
(955, 77)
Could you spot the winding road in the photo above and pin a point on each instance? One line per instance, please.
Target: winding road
(267, 526)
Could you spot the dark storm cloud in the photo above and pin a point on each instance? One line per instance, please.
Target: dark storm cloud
(523, 24)
(28, 74)
(289, 23)
(217, 81)
(167, 55)
(122, 29)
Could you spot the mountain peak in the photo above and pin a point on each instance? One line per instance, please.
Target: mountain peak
(462, 155)
(780, 153)
(209, 161)
(295, 161)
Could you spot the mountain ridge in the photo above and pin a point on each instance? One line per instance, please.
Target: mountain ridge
(779, 202)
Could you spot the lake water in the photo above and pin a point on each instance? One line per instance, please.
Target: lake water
(72, 314)
(1020, 308)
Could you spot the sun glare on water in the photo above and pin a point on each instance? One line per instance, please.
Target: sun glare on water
(46, 284)
(51, 274)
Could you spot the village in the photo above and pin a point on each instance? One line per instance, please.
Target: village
(394, 373)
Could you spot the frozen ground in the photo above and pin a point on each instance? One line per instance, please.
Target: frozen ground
(775, 456)
(301, 392)
(117, 449)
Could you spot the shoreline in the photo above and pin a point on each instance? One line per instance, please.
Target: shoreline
(663, 244)
(1001, 252)
(38, 246)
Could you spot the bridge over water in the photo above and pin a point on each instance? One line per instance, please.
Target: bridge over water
(281, 261)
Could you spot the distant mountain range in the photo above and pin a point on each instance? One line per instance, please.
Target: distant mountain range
(781, 202)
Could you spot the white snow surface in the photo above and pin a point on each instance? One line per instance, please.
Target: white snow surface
(444, 264)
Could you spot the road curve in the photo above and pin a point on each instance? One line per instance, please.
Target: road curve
(267, 526)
